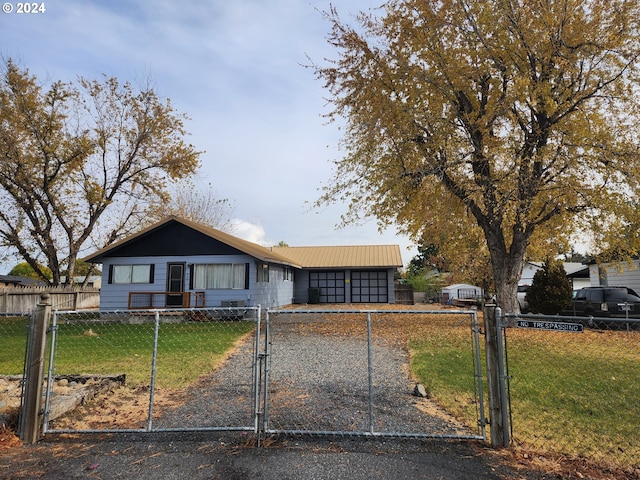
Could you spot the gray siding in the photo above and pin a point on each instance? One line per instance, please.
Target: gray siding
(277, 292)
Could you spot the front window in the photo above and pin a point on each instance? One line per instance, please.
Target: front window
(131, 274)
(219, 276)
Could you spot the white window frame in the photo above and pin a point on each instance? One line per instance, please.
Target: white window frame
(131, 273)
(288, 274)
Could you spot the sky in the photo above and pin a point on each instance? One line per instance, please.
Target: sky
(236, 68)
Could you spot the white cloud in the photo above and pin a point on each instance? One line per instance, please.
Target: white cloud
(248, 231)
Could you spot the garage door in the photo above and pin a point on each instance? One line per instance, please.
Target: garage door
(331, 285)
(369, 286)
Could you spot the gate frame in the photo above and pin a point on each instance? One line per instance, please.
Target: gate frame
(256, 374)
(261, 368)
(482, 420)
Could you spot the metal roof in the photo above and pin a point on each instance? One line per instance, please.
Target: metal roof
(360, 256)
(354, 256)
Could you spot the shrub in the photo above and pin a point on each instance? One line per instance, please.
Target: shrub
(550, 291)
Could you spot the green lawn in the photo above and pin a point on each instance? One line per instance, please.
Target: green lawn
(13, 341)
(575, 394)
(186, 350)
(444, 362)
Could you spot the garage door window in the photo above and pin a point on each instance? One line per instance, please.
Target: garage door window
(369, 287)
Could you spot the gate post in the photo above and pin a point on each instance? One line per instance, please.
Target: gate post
(35, 372)
(498, 405)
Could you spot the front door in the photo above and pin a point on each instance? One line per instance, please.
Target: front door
(175, 283)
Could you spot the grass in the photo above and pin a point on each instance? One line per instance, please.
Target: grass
(442, 359)
(186, 351)
(575, 394)
(13, 339)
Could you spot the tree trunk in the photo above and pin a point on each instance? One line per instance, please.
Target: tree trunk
(507, 270)
(506, 277)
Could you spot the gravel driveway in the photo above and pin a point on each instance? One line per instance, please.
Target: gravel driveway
(318, 382)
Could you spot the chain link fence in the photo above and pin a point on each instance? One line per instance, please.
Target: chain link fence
(14, 341)
(151, 370)
(574, 387)
(573, 391)
(355, 373)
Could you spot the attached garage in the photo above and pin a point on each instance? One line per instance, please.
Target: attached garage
(344, 274)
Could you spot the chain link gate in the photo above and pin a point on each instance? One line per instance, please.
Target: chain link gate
(154, 371)
(319, 372)
(347, 373)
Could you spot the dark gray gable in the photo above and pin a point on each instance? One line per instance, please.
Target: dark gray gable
(172, 239)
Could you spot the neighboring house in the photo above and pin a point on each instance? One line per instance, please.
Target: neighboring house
(178, 263)
(623, 274)
(19, 281)
(578, 273)
(95, 281)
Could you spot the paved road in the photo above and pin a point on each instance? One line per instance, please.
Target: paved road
(233, 457)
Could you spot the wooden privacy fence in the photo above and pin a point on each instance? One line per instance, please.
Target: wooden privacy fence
(24, 299)
(404, 293)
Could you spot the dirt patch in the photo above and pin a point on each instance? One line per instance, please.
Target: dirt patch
(430, 408)
(120, 407)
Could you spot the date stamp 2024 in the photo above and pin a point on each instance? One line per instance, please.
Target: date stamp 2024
(24, 7)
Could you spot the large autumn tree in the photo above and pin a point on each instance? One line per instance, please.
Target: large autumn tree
(514, 117)
(80, 163)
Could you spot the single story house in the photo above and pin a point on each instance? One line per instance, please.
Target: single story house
(177, 263)
(578, 273)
